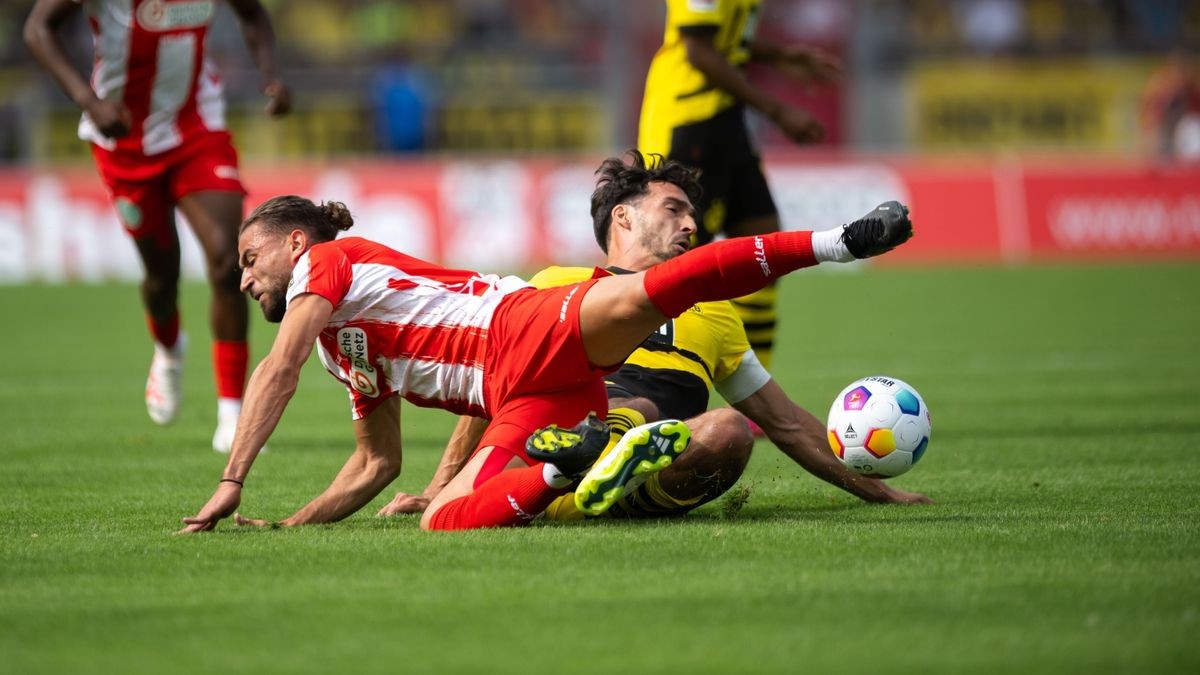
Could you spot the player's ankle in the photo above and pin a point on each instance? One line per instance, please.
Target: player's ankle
(828, 246)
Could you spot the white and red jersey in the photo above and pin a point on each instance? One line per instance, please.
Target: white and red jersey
(401, 324)
(150, 55)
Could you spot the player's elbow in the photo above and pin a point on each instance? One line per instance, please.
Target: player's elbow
(281, 375)
(33, 33)
(384, 469)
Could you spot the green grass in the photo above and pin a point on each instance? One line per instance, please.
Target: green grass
(1063, 460)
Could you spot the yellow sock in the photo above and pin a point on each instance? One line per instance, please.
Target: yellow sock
(650, 500)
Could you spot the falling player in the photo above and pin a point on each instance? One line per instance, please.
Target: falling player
(390, 326)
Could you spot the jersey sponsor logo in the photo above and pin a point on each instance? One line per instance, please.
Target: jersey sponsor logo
(702, 5)
(760, 254)
(161, 15)
(129, 212)
(352, 342)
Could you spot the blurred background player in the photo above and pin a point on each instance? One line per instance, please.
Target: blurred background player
(670, 376)
(1170, 110)
(154, 113)
(693, 111)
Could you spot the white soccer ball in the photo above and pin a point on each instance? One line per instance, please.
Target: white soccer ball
(879, 426)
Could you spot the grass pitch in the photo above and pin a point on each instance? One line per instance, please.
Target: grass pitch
(1063, 460)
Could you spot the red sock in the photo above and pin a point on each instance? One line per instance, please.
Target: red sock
(229, 366)
(724, 270)
(165, 333)
(512, 497)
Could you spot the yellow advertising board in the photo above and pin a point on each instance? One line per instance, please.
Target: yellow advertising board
(1054, 105)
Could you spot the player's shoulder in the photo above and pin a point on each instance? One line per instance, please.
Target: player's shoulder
(721, 323)
(561, 276)
(718, 311)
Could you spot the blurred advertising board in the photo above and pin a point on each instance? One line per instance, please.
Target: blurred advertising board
(1043, 105)
(518, 215)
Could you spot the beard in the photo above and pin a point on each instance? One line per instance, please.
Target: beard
(274, 305)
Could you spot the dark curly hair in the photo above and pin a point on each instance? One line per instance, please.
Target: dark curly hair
(622, 183)
(288, 212)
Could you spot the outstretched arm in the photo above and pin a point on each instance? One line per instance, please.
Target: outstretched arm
(802, 437)
(112, 118)
(464, 440)
(267, 394)
(373, 466)
(259, 35)
(799, 61)
(704, 56)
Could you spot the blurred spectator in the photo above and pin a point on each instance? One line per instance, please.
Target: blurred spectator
(1170, 111)
(402, 98)
(990, 25)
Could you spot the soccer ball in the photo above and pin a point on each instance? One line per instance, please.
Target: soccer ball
(879, 426)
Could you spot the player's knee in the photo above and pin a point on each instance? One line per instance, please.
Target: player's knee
(223, 270)
(159, 286)
(726, 439)
(427, 519)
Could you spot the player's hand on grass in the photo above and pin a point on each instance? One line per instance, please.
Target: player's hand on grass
(222, 504)
(797, 124)
(112, 118)
(279, 99)
(250, 522)
(405, 503)
(902, 497)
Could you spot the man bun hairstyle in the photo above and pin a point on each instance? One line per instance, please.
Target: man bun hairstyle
(288, 212)
(623, 183)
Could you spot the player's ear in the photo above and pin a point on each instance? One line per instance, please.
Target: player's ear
(297, 242)
(622, 216)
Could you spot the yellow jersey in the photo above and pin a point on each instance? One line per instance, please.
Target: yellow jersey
(677, 93)
(677, 365)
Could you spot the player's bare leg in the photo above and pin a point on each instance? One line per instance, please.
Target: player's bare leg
(720, 450)
(715, 459)
(615, 317)
(160, 298)
(215, 217)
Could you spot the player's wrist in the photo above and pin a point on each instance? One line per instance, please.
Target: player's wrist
(86, 99)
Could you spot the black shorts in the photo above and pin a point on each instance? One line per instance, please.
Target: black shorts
(731, 175)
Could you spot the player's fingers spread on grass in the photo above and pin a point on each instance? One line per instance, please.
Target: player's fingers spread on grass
(249, 522)
(202, 526)
(404, 503)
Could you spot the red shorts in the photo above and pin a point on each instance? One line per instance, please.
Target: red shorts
(537, 370)
(145, 189)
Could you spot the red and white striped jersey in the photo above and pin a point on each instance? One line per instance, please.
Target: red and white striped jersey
(401, 324)
(150, 55)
